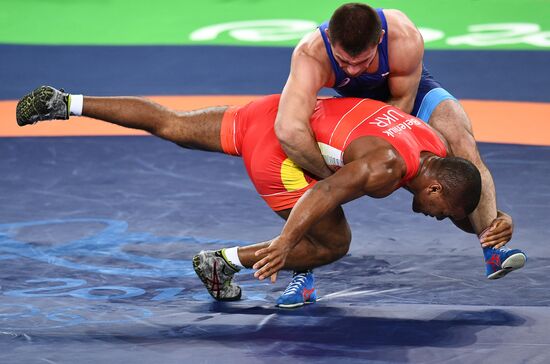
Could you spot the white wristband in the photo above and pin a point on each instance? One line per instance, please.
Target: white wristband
(76, 103)
(233, 256)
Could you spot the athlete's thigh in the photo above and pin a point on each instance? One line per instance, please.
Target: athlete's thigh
(450, 119)
(200, 129)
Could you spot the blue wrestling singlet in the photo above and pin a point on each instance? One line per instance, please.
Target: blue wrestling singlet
(375, 85)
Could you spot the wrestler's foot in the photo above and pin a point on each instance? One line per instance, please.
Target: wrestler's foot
(300, 291)
(44, 103)
(217, 275)
(500, 262)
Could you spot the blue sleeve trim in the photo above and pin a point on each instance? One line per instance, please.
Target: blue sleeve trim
(430, 101)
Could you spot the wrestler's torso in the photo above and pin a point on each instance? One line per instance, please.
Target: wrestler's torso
(339, 125)
(338, 122)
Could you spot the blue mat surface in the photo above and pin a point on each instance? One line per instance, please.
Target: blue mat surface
(98, 233)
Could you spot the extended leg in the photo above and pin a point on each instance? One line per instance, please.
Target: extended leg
(198, 129)
(451, 120)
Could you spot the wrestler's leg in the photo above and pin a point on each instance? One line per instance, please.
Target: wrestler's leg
(198, 129)
(326, 242)
(191, 129)
(450, 119)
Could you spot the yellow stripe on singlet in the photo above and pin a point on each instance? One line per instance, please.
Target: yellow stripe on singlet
(292, 176)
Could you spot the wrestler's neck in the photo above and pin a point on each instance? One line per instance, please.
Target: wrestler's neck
(426, 172)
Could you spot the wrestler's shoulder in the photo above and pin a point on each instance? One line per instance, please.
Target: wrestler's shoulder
(400, 27)
(311, 45)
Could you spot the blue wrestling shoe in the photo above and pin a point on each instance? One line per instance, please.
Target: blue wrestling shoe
(299, 292)
(500, 262)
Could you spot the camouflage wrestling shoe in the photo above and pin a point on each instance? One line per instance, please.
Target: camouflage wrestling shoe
(217, 275)
(44, 103)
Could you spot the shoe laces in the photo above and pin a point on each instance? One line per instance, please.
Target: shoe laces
(297, 282)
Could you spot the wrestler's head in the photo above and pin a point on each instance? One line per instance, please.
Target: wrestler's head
(453, 189)
(354, 31)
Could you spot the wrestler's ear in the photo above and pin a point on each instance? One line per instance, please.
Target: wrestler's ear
(435, 188)
(381, 36)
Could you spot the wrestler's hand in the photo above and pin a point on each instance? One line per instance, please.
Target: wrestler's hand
(274, 259)
(499, 233)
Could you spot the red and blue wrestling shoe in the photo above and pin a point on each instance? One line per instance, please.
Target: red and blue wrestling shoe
(299, 292)
(500, 262)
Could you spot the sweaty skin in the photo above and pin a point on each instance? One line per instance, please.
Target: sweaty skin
(372, 168)
(311, 70)
(316, 232)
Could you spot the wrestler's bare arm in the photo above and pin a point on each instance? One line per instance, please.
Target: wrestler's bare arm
(374, 175)
(307, 77)
(405, 52)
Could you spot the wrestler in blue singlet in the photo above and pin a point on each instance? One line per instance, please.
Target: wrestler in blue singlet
(375, 85)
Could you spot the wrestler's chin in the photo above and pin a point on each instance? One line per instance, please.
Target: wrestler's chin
(355, 75)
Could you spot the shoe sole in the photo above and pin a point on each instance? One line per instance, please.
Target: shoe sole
(295, 305)
(513, 262)
(202, 277)
(22, 108)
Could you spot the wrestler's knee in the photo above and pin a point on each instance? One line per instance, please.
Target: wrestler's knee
(336, 246)
(343, 240)
(332, 254)
(342, 250)
(166, 127)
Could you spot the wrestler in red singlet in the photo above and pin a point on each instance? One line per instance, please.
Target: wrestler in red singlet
(248, 131)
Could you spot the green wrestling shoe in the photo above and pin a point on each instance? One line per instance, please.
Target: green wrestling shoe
(44, 103)
(217, 275)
